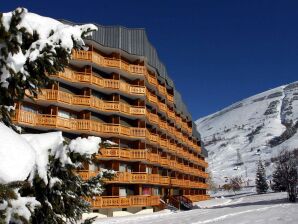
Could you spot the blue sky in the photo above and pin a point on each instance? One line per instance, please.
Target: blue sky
(217, 52)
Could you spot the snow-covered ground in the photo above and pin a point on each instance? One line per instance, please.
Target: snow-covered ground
(242, 133)
(248, 208)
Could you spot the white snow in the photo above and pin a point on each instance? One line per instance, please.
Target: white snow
(226, 133)
(88, 145)
(270, 208)
(22, 155)
(22, 206)
(17, 156)
(45, 145)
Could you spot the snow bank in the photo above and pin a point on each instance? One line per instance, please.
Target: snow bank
(17, 156)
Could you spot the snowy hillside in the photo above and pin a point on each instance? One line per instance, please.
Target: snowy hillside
(257, 127)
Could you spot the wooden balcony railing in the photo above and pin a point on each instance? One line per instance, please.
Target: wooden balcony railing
(196, 198)
(134, 177)
(90, 101)
(151, 97)
(143, 154)
(154, 118)
(90, 126)
(122, 202)
(90, 78)
(123, 65)
(162, 107)
(145, 178)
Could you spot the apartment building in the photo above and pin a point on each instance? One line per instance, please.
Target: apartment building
(119, 90)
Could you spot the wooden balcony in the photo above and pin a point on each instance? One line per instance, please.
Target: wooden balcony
(196, 198)
(131, 178)
(153, 138)
(143, 154)
(90, 101)
(140, 178)
(152, 80)
(162, 107)
(91, 79)
(129, 154)
(123, 65)
(146, 178)
(188, 183)
(122, 202)
(171, 114)
(170, 98)
(153, 118)
(151, 97)
(76, 125)
(162, 90)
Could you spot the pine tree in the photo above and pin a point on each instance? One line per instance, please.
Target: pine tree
(278, 183)
(63, 200)
(261, 183)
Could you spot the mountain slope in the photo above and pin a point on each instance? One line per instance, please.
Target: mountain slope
(257, 127)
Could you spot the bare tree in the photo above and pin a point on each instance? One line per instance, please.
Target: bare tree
(236, 184)
(212, 185)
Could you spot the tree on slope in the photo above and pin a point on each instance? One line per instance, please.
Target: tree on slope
(261, 183)
(31, 48)
(286, 175)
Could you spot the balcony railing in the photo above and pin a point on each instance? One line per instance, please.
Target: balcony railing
(90, 101)
(90, 78)
(195, 198)
(144, 154)
(145, 178)
(90, 126)
(122, 202)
